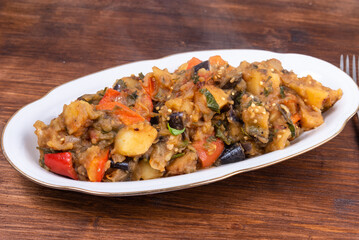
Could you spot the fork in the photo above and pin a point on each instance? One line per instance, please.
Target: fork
(347, 69)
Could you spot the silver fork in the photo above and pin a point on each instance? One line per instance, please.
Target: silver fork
(347, 69)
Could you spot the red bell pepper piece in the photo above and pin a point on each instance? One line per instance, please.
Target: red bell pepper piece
(112, 95)
(96, 167)
(61, 163)
(208, 151)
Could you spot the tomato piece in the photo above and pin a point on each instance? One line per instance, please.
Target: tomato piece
(216, 60)
(124, 113)
(193, 62)
(149, 85)
(208, 151)
(61, 163)
(96, 166)
(144, 106)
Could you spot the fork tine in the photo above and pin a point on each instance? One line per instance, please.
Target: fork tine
(342, 62)
(347, 65)
(354, 70)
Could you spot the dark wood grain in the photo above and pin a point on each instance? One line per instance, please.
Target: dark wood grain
(46, 43)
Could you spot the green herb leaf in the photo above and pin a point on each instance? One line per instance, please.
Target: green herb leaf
(177, 155)
(195, 78)
(282, 94)
(221, 136)
(174, 131)
(286, 116)
(211, 101)
(291, 128)
(141, 76)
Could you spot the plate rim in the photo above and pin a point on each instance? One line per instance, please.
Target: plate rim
(173, 188)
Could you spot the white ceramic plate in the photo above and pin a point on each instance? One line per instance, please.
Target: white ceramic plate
(19, 141)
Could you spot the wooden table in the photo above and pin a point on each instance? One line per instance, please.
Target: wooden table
(46, 43)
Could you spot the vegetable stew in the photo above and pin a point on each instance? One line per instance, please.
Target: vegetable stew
(204, 114)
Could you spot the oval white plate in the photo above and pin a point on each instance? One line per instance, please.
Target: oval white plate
(19, 141)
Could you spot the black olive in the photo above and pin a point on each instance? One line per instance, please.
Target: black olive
(176, 120)
(233, 154)
(120, 165)
(204, 65)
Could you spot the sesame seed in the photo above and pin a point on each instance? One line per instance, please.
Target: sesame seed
(255, 121)
(157, 108)
(215, 77)
(232, 80)
(272, 69)
(245, 138)
(256, 110)
(264, 112)
(169, 110)
(305, 100)
(190, 116)
(233, 93)
(279, 136)
(218, 76)
(253, 105)
(221, 68)
(176, 149)
(168, 118)
(251, 96)
(310, 82)
(261, 83)
(170, 146)
(223, 98)
(220, 72)
(273, 104)
(171, 88)
(253, 115)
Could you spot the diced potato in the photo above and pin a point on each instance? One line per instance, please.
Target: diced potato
(314, 93)
(174, 104)
(218, 94)
(256, 122)
(253, 82)
(280, 140)
(76, 115)
(184, 164)
(135, 139)
(144, 171)
(309, 118)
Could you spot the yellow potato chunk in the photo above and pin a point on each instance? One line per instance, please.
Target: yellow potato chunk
(76, 115)
(144, 171)
(135, 139)
(219, 95)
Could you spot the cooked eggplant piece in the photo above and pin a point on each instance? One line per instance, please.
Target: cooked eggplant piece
(233, 154)
(232, 82)
(204, 65)
(120, 165)
(120, 85)
(176, 120)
